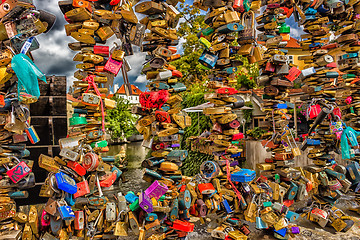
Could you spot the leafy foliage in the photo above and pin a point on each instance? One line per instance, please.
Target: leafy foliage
(199, 123)
(255, 132)
(121, 120)
(188, 64)
(247, 74)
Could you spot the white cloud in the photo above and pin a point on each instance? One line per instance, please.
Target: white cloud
(141, 79)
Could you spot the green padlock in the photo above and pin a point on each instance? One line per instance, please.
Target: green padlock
(135, 205)
(267, 204)
(207, 31)
(76, 120)
(247, 5)
(284, 28)
(100, 144)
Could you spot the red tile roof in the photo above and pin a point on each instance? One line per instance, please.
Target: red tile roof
(135, 90)
(292, 43)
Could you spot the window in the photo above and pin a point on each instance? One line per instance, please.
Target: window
(259, 122)
(291, 59)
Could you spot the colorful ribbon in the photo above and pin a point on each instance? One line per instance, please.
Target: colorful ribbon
(228, 175)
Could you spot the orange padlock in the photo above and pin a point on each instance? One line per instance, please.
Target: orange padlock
(206, 188)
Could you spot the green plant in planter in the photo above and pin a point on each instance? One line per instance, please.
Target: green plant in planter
(255, 132)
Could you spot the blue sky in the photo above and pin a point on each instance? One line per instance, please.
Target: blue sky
(55, 58)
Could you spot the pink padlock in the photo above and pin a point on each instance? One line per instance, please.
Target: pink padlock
(19, 171)
(348, 100)
(45, 220)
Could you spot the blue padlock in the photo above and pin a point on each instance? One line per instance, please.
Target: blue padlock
(321, 9)
(69, 199)
(118, 172)
(310, 11)
(260, 224)
(165, 107)
(66, 213)
(208, 59)
(65, 183)
(174, 211)
(150, 217)
(184, 200)
(313, 142)
(131, 197)
(281, 232)
(281, 106)
(227, 206)
(292, 216)
(310, 17)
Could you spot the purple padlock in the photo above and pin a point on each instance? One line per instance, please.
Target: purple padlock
(156, 190)
(145, 202)
(295, 230)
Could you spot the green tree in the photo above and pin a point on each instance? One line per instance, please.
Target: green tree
(199, 123)
(192, 21)
(121, 120)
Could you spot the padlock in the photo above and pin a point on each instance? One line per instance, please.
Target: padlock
(65, 183)
(121, 229)
(66, 213)
(90, 161)
(156, 190)
(320, 216)
(19, 171)
(90, 99)
(48, 163)
(110, 211)
(79, 220)
(82, 189)
(260, 224)
(33, 219)
(69, 154)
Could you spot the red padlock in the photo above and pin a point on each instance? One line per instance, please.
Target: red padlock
(2, 101)
(238, 136)
(162, 116)
(206, 188)
(79, 220)
(239, 6)
(183, 226)
(19, 171)
(113, 66)
(177, 73)
(101, 50)
(45, 220)
(76, 167)
(82, 189)
(227, 90)
(314, 111)
(108, 179)
(114, 2)
(294, 73)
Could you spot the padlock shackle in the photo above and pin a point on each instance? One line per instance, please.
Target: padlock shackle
(322, 115)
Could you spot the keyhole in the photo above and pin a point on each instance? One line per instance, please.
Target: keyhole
(6, 7)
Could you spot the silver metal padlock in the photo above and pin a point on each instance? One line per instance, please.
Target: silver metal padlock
(69, 154)
(111, 211)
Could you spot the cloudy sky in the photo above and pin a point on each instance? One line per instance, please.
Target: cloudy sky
(55, 58)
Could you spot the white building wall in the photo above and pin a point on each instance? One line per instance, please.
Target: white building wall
(134, 99)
